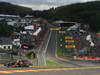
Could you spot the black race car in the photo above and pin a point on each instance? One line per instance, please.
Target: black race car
(19, 63)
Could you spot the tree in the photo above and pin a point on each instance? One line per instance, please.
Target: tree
(85, 13)
(5, 30)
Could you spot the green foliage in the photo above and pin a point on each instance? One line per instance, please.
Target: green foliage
(54, 64)
(31, 55)
(5, 30)
(7, 8)
(86, 13)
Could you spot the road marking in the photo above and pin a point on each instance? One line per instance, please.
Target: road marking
(38, 66)
(62, 58)
(44, 52)
(48, 42)
(43, 70)
(5, 72)
(42, 55)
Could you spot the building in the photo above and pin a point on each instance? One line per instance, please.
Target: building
(5, 44)
(5, 49)
(64, 24)
(3, 16)
(31, 36)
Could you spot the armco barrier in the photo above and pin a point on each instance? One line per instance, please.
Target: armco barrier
(86, 58)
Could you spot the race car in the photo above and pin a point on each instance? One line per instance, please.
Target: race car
(19, 63)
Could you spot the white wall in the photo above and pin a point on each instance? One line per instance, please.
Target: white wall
(6, 47)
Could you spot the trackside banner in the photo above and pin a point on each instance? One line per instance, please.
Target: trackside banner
(87, 58)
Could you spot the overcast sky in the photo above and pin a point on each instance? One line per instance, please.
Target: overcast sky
(43, 4)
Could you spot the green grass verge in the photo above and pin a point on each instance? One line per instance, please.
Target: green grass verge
(54, 64)
(61, 50)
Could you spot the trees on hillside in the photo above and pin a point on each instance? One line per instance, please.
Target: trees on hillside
(8, 8)
(86, 13)
(5, 30)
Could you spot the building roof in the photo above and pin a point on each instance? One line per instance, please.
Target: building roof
(3, 15)
(60, 21)
(28, 16)
(30, 27)
(5, 41)
(37, 32)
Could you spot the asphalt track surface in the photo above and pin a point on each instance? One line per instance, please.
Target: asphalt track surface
(50, 54)
(55, 71)
(71, 68)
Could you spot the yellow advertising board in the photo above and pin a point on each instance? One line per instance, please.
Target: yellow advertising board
(70, 46)
(69, 41)
(55, 29)
(68, 37)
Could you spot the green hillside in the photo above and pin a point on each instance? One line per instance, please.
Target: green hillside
(86, 13)
(8, 8)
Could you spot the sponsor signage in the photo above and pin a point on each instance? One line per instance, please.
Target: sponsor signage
(55, 29)
(70, 46)
(26, 47)
(70, 41)
(68, 37)
(87, 58)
